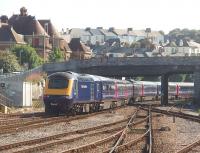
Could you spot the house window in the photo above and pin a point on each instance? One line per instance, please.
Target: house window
(174, 50)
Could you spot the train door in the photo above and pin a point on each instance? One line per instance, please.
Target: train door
(97, 91)
(92, 91)
(75, 91)
(84, 91)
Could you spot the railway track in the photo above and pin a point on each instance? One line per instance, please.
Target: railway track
(70, 137)
(41, 122)
(106, 144)
(21, 115)
(134, 132)
(189, 147)
(122, 146)
(170, 112)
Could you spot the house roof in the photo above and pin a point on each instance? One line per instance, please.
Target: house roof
(155, 34)
(64, 45)
(194, 44)
(79, 32)
(142, 33)
(138, 33)
(52, 31)
(76, 45)
(26, 25)
(7, 33)
(107, 33)
(120, 32)
(95, 32)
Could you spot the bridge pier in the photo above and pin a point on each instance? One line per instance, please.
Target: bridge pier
(164, 89)
(197, 87)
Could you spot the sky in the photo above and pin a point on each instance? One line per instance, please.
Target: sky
(139, 14)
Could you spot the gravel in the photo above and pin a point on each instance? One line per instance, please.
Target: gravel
(67, 126)
(170, 137)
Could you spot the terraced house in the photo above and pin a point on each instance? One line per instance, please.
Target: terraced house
(99, 35)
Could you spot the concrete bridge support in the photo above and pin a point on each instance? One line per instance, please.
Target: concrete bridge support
(197, 87)
(164, 89)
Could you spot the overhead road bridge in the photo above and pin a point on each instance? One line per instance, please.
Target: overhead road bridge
(128, 67)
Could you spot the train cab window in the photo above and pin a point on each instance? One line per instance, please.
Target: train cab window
(58, 83)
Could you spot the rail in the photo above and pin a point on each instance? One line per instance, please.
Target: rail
(189, 147)
(150, 131)
(123, 133)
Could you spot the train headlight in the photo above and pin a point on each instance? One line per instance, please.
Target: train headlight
(67, 97)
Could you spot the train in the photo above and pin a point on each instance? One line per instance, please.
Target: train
(70, 92)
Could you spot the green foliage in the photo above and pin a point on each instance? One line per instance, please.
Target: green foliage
(176, 78)
(161, 32)
(185, 34)
(56, 55)
(27, 54)
(8, 61)
(181, 78)
(172, 78)
(189, 78)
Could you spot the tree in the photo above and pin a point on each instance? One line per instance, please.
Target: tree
(8, 62)
(135, 45)
(186, 34)
(56, 55)
(27, 54)
(161, 32)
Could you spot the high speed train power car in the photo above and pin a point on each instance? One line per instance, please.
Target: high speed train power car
(68, 91)
(72, 92)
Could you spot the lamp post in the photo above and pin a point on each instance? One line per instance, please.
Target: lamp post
(46, 28)
(44, 48)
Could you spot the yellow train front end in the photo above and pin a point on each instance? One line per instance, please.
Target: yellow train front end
(58, 95)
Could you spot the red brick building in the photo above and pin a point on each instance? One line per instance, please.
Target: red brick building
(40, 34)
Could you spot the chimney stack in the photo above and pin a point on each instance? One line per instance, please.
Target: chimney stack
(111, 29)
(130, 29)
(99, 28)
(87, 29)
(4, 19)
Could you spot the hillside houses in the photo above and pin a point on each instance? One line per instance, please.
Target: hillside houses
(77, 43)
(100, 35)
(182, 48)
(24, 29)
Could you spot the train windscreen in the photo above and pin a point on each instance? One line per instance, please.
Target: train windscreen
(58, 83)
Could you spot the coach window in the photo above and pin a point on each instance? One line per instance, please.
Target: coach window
(112, 89)
(105, 89)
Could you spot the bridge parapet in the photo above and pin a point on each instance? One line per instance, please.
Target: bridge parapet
(74, 64)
